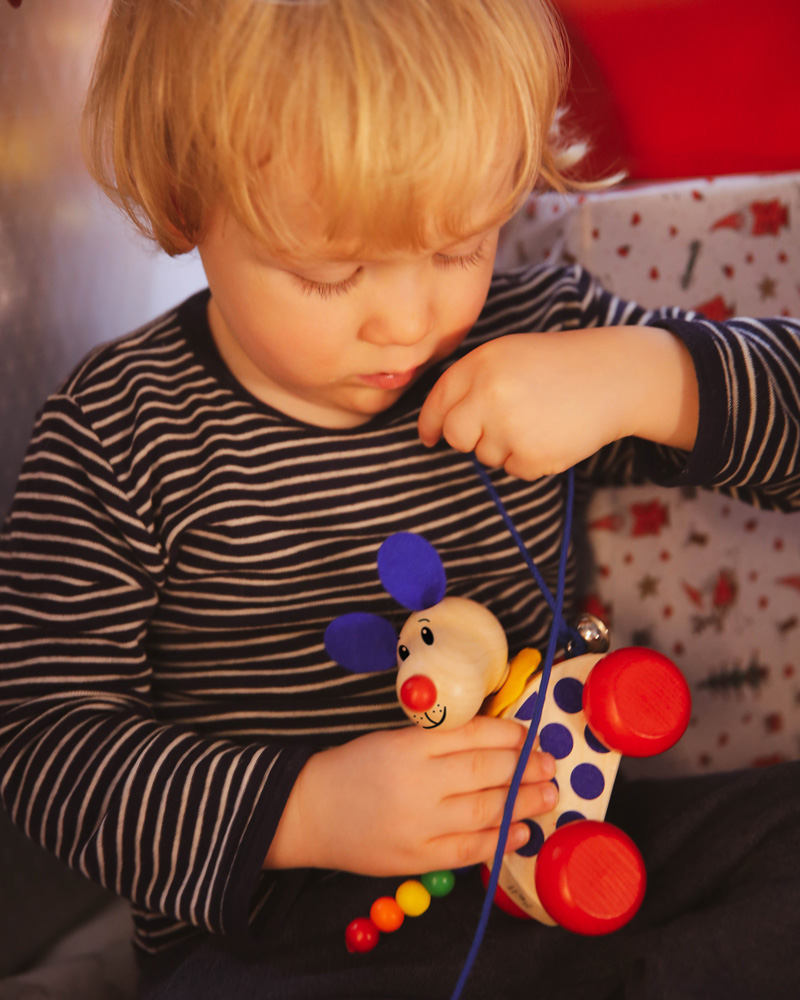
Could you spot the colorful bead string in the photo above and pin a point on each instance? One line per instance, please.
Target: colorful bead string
(387, 914)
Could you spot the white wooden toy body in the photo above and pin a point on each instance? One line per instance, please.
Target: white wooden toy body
(452, 663)
(585, 774)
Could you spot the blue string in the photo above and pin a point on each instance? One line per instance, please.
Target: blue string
(565, 632)
(516, 781)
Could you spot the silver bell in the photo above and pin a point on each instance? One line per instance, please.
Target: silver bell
(594, 633)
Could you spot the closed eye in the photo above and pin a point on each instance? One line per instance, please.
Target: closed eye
(328, 289)
(462, 260)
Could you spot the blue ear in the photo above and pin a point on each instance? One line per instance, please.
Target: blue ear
(411, 571)
(362, 643)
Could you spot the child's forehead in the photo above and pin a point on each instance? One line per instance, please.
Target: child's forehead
(364, 248)
(395, 227)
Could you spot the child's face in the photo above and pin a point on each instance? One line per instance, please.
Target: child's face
(332, 341)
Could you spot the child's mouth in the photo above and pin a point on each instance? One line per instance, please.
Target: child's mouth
(390, 380)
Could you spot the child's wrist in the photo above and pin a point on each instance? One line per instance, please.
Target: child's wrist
(292, 844)
(663, 390)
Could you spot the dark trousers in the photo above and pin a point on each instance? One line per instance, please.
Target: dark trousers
(720, 920)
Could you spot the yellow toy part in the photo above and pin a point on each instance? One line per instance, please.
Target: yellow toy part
(521, 671)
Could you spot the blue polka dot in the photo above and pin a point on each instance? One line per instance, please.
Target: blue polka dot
(569, 817)
(528, 708)
(534, 845)
(557, 740)
(568, 695)
(593, 741)
(587, 781)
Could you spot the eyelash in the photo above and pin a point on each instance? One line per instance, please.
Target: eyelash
(463, 260)
(328, 290)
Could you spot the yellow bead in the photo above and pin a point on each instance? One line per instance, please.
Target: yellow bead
(413, 898)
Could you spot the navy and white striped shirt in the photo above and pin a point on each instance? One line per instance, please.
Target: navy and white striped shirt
(176, 549)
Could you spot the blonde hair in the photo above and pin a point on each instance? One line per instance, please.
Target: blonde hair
(390, 110)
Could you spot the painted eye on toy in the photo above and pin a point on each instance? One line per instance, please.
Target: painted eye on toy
(427, 636)
(403, 652)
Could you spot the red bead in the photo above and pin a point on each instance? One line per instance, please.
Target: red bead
(590, 877)
(361, 935)
(418, 693)
(637, 702)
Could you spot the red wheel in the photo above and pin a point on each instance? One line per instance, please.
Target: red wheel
(502, 899)
(637, 702)
(590, 877)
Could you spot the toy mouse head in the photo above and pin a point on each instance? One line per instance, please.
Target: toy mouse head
(450, 654)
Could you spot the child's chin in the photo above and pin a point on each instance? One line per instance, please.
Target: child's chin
(375, 400)
(358, 409)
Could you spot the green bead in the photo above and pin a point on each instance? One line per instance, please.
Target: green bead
(438, 883)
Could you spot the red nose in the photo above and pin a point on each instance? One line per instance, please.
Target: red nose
(418, 693)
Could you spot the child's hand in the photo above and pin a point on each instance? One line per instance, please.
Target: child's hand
(405, 801)
(537, 404)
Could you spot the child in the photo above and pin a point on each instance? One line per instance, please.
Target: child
(203, 496)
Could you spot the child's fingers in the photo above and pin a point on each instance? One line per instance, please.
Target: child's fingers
(466, 849)
(448, 391)
(462, 428)
(484, 810)
(481, 733)
(474, 770)
(484, 754)
(462, 423)
(492, 453)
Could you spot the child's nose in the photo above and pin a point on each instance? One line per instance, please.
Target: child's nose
(404, 318)
(403, 328)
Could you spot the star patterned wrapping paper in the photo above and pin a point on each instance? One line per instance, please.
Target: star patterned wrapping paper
(707, 580)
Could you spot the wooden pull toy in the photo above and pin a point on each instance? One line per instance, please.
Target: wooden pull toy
(451, 655)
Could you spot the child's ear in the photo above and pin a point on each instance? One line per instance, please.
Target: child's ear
(411, 570)
(361, 642)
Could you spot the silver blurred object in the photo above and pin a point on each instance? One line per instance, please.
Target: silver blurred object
(594, 633)
(72, 271)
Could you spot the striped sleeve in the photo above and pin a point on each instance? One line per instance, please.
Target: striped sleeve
(748, 373)
(749, 432)
(177, 823)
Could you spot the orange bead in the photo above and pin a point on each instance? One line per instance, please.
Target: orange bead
(386, 914)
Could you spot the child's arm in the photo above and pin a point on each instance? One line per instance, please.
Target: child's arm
(176, 821)
(607, 369)
(405, 800)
